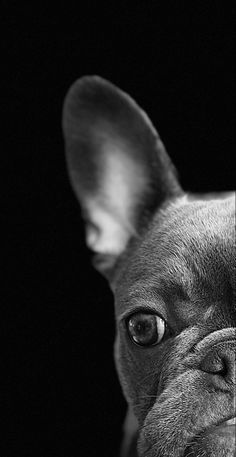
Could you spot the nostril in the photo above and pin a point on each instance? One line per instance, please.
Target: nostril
(225, 367)
(213, 365)
(220, 362)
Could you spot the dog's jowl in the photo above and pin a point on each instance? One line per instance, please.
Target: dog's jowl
(169, 258)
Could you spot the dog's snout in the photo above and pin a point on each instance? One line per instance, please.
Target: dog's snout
(219, 362)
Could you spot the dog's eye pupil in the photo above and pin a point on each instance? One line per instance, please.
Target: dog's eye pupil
(146, 329)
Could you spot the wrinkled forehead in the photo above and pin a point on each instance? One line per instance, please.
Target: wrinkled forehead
(187, 248)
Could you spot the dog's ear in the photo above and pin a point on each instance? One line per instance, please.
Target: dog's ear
(117, 165)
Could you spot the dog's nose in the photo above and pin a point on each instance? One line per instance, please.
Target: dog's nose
(220, 363)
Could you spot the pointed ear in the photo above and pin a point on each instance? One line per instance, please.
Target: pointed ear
(117, 165)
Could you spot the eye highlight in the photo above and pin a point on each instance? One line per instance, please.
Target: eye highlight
(146, 329)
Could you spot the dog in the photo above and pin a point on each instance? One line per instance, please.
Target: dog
(169, 257)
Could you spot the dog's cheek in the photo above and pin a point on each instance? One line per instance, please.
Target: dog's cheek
(137, 376)
(124, 366)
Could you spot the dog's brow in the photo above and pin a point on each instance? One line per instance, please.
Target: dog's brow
(148, 306)
(175, 290)
(154, 294)
(143, 298)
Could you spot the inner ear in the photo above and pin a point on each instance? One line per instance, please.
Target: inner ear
(117, 164)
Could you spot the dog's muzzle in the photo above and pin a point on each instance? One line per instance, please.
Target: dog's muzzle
(216, 353)
(195, 412)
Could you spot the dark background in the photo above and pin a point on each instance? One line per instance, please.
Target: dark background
(61, 393)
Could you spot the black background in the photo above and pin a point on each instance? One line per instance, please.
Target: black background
(60, 388)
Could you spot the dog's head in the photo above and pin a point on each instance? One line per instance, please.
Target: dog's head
(170, 261)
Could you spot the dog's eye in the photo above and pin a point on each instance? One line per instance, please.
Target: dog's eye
(146, 329)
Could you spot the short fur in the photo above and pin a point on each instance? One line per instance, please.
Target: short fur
(165, 252)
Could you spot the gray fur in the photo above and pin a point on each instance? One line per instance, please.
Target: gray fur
(178, 262)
